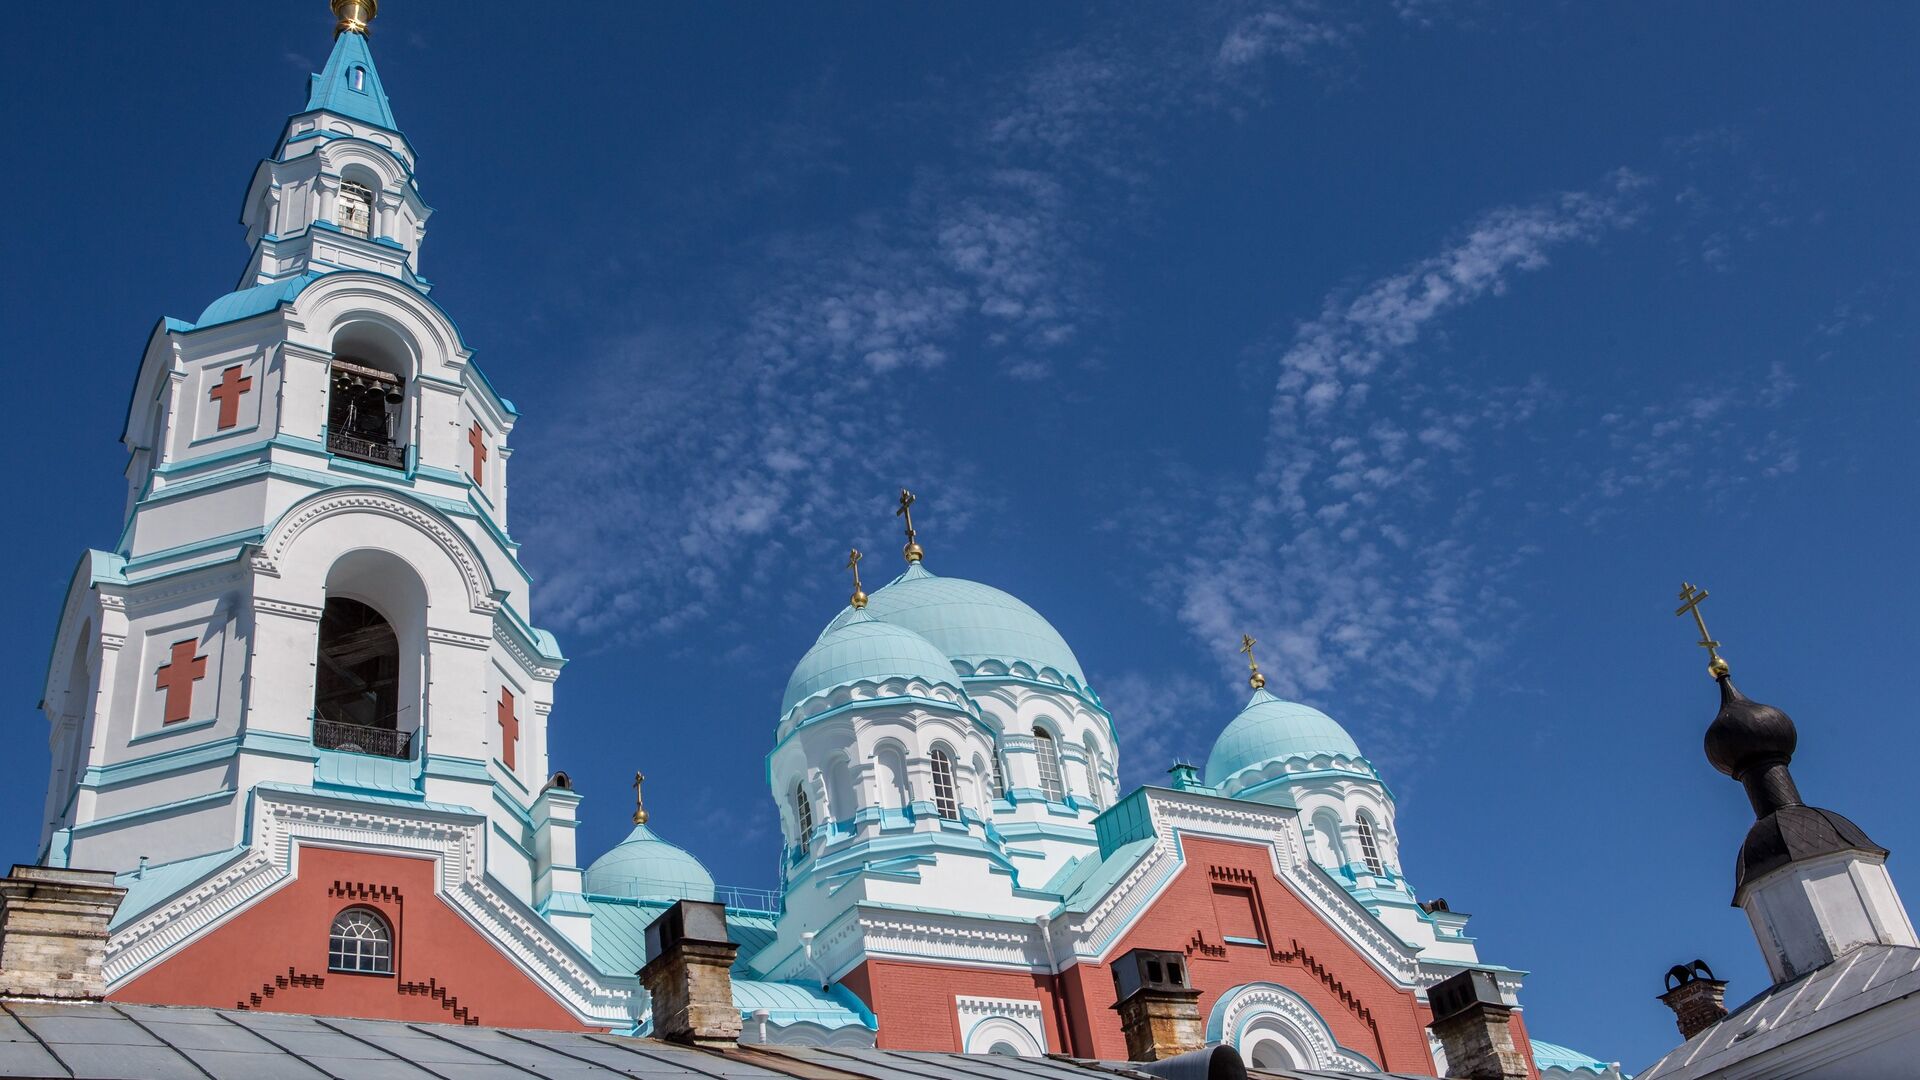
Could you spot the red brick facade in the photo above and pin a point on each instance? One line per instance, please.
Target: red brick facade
(1224, 889)
(273, 956)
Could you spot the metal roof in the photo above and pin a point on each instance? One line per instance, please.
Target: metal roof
(118, 1041)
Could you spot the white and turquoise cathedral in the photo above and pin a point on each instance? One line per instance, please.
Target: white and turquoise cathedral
(304, 688)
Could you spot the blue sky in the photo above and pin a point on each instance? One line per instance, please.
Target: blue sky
(1431, 343)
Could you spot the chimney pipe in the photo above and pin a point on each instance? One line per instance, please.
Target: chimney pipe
(1159, 1009)
(1472, 1021)
(1698, 1000)
(53, 932)
(689, 975)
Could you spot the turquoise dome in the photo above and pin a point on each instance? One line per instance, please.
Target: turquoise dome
(645, 867)
(864, 649)
(1270, 729)
(971, 623)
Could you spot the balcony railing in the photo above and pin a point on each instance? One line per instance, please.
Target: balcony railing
(371, 451)
(382, 742)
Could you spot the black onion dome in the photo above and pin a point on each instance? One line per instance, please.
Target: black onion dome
(1747, 734)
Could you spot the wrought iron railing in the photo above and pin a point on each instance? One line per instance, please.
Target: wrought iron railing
(372, 451)
(382, 742)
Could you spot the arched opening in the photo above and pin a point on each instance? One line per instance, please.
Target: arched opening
(360, 943)
(370, 656)
(1327, 849)
(355, 214)
(356, 684)
(1273, 1055)
(946, 795)
(999, 772)
(1096, 785)
(1046, 754)
(842, 805)
(890, 764)
(1369, 844)
(802, 817)
(367, 396)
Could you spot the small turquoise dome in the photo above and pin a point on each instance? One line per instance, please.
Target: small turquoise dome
(645, 867)
(863, 649)
(1270, 729)
(971, 623)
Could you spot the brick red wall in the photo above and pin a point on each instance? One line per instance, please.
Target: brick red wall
(1365, 1011)
(273, 956)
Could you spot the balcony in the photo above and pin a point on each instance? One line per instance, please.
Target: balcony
(372, 451)
(355, 739)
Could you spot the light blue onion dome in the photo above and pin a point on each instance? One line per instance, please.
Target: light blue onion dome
(971, 623)
(1270, 729)
(1548, 1055)
(859, 648)
(645, 867)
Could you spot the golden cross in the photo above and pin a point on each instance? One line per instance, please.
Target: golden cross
(639, 806)
(1691, 598)
(1254, 677)
(912, 550)
(853, 563)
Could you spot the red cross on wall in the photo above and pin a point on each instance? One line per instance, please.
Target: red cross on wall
(177, 677)
(509, 726)
(478, 440)
(232, 384)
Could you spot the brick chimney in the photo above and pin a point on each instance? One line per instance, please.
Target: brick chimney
(689, 975)
(1698, 1000)
(1159, 1010)
(1471, 1019)
(53, 931)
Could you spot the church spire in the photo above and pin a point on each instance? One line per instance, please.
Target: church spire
(349, 84)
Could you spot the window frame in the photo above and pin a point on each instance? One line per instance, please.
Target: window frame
(946, 790)
(338, 956)
(1053, 782)
(802, 815)
(1363, 830)
(364, 195)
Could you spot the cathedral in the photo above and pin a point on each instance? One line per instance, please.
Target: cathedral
(299, 715)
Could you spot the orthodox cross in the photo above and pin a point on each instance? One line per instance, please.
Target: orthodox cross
(509, 726)
(478, 440)
(912, 550)
(853, 563)
(176, 678)
(1257, 680)
(232, 384)
(639, 805)
(1690, 601)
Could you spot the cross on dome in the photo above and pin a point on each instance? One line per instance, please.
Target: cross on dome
(912, 551)
(1690, 601)
(1255, 679)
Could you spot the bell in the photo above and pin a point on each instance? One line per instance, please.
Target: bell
(394, 396)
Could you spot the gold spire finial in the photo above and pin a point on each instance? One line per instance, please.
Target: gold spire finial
(352, 16)
(859, 598)
(1690, 600)
(912, 551)
(639, 805)
(1254, 678)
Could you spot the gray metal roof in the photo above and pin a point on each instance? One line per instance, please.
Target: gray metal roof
(115, 1041)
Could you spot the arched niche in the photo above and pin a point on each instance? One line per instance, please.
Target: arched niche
(372, 395)
(370, 655)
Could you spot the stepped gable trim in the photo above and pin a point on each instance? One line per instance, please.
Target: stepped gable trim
(283, 819)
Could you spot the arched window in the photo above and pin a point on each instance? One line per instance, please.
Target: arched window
(1046, 756)
(1369, 846)
(356, 684)
(355, 216)
(946, 798)
(364, 407)
(1096, 793)
(357, 78)
(360, 942)
(802, 815)
(999, 773)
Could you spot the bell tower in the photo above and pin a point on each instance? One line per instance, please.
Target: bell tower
(315, 596)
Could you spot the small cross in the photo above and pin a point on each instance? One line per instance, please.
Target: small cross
(639, 804)
(232, 384)
(509, 726)
(912, 552)
(853, 563)
(477, 439)
(1254, 678)
(176, 678)
(1691, 598)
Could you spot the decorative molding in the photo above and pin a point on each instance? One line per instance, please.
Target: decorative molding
(1267, 1002)
(531, 664)
(306, 612)
(457, 639)
(384, 504)
(985, 1022)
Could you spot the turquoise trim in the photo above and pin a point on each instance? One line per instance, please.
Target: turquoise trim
(173, 729)
(97, 777)
(487, 385)
(415, 805)
(232, 539)
(345, 769)
(1231, 940)
(448, 767)
(564, 903)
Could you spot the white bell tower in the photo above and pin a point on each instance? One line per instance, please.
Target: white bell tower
(315, 591)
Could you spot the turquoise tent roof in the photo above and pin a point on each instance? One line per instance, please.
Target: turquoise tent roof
(645, 867)
(970, 622)
(246, 303)
(1270, 729)
(349, 85)
(1548, 1055)
(863, 649)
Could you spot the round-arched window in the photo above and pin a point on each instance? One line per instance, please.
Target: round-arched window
(360, 942)
(802, 815)
(1047, 758)
(946, 798)
(1369, 844)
